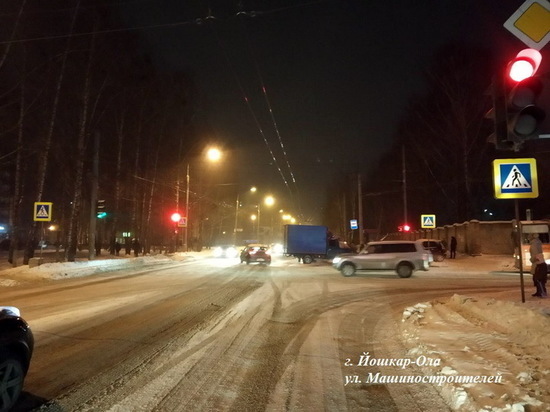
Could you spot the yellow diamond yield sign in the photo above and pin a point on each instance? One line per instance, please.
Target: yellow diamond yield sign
(531, 23)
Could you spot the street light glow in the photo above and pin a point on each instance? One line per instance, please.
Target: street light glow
(269, 200)
(214, 154)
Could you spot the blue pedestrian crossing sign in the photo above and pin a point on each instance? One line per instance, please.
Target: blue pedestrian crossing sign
(515, 178)
(43, 211)
(427, 221)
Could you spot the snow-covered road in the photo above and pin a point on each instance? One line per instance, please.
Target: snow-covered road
(207, 334)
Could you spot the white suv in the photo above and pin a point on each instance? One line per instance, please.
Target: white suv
(403, 256)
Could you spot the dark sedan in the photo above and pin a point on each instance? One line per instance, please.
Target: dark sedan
(16, 347)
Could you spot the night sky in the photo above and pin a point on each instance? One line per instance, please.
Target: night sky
(337, 74)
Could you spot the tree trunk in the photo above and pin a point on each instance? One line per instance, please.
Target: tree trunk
(13, 32)
(47, 142)
(79, 173)
(15, 205)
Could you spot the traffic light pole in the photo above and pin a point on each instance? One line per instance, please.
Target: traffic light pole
(520, 251)
(500, 113)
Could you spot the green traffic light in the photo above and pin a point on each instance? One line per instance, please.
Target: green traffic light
(101, 215)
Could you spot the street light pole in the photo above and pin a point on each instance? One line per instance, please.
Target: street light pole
(185, 248)
(258, 223)
(236, 221)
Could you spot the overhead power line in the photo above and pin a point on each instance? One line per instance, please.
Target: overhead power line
(247, 101)
(194, 21)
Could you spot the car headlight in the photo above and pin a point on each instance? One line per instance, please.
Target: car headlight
(336, 260)
(278, 249)
(218, 252)
(231, 252)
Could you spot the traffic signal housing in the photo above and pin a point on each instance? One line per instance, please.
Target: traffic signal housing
(100, 209)
(516, 114)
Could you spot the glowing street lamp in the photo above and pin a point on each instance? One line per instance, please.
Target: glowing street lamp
(213, 155)
(237, 205)
(268, 201)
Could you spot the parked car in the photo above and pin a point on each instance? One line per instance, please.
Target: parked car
(256, 254)
(438, 249)
(405, 257)
(225, 251)
(16, 347)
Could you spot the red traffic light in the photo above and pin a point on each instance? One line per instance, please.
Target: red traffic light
(175, 217)
(524, 65)
(406, 228)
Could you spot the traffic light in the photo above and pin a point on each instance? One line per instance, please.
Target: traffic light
(515, 112)
(404, 228)
(100, 209)
(175, 217)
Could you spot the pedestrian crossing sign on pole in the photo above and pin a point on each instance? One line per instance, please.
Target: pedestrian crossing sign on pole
(43, 211)
(515, 178)
(427, 221)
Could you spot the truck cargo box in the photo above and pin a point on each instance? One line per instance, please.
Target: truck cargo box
(306, 239)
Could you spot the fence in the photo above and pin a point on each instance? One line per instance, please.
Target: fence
(473, 238)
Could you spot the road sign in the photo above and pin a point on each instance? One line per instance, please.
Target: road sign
(353, 224)
(515, 178)
(531, 23)
(43, 211)
(427, 221)
(182, 222)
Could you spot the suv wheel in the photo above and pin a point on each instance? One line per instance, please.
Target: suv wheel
(439, 257)
(347, 269)
(404, 270)
(11, 384)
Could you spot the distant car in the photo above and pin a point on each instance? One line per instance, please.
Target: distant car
(256, 254)
(226, 251)
(16, 347)
(438, 249)
(405, 257)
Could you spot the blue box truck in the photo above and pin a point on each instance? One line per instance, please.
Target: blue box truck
(310, 242)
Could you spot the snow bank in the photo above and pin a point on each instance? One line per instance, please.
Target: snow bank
(494, 354)
(64, 270)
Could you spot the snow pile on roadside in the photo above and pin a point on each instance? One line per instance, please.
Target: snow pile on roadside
(64, 270)
(491, 355)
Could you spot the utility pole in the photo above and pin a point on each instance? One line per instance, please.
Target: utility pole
(186, 238)
(93, 199)
(360, 207)
(405, 221)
